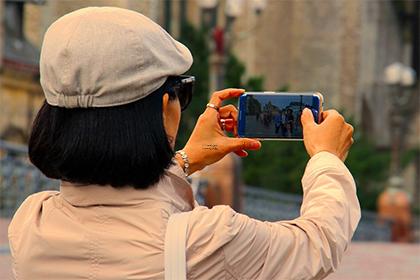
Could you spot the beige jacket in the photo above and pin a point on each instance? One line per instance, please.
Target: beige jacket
(95, 232)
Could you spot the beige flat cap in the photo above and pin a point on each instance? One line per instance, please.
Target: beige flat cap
(106, 56)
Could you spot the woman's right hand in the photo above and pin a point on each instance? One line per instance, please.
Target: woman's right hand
(332, 135)
(208, 142)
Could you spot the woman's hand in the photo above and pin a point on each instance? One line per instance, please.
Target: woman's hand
(208, 142)
(332, 135)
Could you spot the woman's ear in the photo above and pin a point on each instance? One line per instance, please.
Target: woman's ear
(165, 107)
(171, 113)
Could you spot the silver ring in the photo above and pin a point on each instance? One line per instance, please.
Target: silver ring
(211, 105)
(223, 123)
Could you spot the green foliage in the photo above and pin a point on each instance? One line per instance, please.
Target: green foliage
(234, 72)
(284, 88)
(277, 165)
(195, 39)
(369, 167)
(255, 83)
(408, 156)
(234, 77)
(366, 163)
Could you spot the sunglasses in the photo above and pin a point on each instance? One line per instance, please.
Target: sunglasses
(182, 86)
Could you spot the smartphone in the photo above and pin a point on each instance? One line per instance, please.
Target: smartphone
(276, 115)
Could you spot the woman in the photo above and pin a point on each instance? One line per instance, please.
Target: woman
(107, 130)
(289, 122)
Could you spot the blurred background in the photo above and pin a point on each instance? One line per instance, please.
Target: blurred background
(362, 55)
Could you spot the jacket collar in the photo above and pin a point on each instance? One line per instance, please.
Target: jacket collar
(173, 188)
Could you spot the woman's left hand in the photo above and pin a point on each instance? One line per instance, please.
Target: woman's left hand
(208, 142)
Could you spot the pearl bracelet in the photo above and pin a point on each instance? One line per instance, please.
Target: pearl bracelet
(184, 157)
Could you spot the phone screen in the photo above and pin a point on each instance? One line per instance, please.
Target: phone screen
(275, 115)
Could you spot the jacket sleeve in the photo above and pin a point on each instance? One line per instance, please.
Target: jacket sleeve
(309, 247)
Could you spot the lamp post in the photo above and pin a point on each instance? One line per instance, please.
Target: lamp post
(222, 178)
(220, 37)
(208, 13)
(394, 203)
(400, 78)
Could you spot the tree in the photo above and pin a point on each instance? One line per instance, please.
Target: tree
(196, 41)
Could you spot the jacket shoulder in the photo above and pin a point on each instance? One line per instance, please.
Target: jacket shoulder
(211, 228)
(209, 232)
(30, 208)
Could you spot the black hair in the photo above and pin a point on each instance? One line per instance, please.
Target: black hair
(117, 146)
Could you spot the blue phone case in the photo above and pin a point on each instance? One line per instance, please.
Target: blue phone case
(271, 118)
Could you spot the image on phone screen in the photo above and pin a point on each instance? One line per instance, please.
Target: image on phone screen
(276, 116)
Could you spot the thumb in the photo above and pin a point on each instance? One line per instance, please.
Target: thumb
(243, 144)
(307, 118)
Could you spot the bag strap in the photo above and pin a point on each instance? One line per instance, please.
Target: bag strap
(175, 246)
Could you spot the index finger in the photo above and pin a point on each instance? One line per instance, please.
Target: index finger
(219, 96)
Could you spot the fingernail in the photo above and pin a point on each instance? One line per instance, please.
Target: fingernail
(256, 145)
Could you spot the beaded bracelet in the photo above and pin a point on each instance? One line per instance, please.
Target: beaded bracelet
(184, 157)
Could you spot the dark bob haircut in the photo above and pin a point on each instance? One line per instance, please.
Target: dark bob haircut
(117, 146)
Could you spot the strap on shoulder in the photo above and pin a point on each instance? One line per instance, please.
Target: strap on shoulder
(175, 246)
